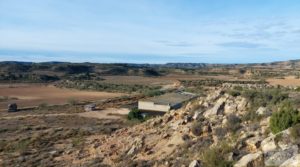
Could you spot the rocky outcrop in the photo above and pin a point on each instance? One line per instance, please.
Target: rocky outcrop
(217, 109)
(171, 139)
(251, 160)
(292, 162)
(280, 157)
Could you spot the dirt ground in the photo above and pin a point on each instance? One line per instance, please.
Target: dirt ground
(28, 95)
(287, 81)
(109, 113)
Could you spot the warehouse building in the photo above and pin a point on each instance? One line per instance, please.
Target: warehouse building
(164, 103)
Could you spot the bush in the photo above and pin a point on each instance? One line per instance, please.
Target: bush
(295, 132)
(135, 114)
(197, 128)
(217, 156)
(233, 123)
(234, 93)
(260, 98)
(286, 117)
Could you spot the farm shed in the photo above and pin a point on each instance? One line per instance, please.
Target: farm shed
(164, 103)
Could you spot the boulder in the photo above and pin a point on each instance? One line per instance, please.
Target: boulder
(230, 108)
(253, 143)
(251, 160)
(242, 104)
(197, 115)
(292, 162)
(195, 163)
(13, 107)
(217, 109)
(263, 111)
(280, 157)
(268, 144)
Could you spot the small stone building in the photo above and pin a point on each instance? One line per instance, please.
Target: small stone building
(164, 103)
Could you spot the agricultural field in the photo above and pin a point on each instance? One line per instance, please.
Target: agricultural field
(286, 81)
(30, 95)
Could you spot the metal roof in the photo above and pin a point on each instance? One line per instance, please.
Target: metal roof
(170, 98)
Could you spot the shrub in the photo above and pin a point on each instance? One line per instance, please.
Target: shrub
(135, 114)
(295, 132)
(216, 156)
(286, 117)
(233, 123)
(197, 128)
(260, 98)
(234, 93)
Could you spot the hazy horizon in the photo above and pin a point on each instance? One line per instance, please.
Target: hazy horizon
(150, 31)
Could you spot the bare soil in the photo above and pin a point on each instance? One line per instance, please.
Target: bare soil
(287, 81)
(28, 95)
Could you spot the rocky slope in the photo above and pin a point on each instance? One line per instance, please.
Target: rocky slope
(207, 131)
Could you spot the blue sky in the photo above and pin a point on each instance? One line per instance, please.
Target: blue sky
(150, 31)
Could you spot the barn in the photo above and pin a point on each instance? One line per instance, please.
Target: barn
(164, 103)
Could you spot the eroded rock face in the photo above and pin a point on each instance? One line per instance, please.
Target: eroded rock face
(217, 109)
(230, 107)
(292, 162)
(280, 157)
(170, 137)
(251, 160)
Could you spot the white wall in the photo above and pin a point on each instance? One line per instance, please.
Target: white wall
(145, 105)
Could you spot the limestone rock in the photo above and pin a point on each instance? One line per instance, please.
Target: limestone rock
(268, 144)
(280, 157)
(197, 115)
(263, 111)
(253, 143)
(195, 163)
(292, 162)
(242, 104)
(251, 160)
(217, 109)
(230, 108)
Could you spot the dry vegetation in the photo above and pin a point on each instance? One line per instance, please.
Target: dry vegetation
(58, 132)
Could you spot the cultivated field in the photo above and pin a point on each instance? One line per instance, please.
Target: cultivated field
(287, 81)
(28, 95)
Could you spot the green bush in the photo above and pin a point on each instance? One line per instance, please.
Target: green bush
(264, 97)
(135, 114)
(286, 117)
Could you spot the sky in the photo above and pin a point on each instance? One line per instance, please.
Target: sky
(150, 31)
